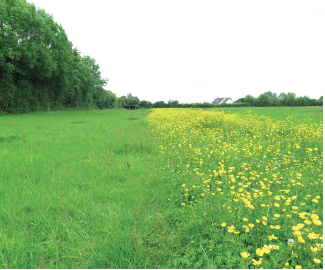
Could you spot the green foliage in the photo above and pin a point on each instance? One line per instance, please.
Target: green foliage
(173, 103)
(39, 69)
(159, 104)
(145, 104)
(128, 100)
(240, 100)
(269, 99)
(249, 99)
(265, 100)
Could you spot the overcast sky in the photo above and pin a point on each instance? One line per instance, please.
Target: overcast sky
(196, 51)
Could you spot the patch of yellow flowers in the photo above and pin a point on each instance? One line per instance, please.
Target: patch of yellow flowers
(267, 174)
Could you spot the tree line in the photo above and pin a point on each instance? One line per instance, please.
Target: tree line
(267, 99)
(40, 69)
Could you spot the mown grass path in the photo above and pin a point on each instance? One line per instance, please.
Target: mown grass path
(76, 189)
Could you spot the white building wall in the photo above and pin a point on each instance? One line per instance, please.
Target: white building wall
(229, 101)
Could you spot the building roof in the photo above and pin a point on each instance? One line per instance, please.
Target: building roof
(221, 100)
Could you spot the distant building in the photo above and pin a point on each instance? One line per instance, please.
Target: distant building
(222, 100)
(130, 107)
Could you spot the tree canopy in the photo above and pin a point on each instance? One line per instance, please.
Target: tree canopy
(268, 99)
(39, 68)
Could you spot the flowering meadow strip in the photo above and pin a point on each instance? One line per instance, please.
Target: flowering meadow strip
(256, 182)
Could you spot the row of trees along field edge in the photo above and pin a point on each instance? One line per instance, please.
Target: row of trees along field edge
(267, 99)
(39, 68)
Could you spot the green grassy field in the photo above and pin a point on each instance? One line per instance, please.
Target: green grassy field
(89, 189)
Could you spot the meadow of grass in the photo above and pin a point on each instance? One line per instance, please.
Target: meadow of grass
(167, 188)
(75, 190)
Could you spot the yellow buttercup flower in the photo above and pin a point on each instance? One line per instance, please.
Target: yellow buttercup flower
(317, 222)
(311, 236)
(316, 260)
(255, 262)
(298, 227)
(307, 221)
(259, 252)
(245, 254)
(314, 216)
(277, 227)
(296, 233)
(223, 224)
(271, 237)
(313, 249)
(300, 239)
(266, 249)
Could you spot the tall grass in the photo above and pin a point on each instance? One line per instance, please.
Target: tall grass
(99, 189)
